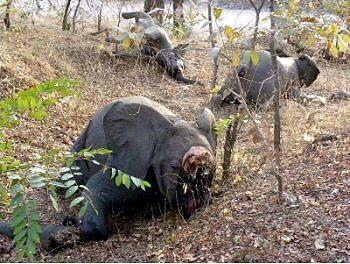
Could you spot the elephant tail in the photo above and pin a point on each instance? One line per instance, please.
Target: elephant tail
(52, 236)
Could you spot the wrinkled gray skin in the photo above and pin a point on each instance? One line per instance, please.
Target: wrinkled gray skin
(148, 142)
(158, 45)
(294, 73)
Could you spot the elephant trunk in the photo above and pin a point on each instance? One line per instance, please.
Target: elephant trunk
(6, 230)
(52, 236)
(181, 78)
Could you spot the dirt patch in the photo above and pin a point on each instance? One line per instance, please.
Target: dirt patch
(243, 222)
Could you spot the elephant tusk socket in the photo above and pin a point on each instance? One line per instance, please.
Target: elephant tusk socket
(196, 157)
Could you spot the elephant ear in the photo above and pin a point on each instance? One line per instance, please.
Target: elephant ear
(180, 50)
(206, 123)
(129, 136)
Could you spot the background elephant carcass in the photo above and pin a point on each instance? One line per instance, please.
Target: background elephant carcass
(151, 143)
(157, 45)
(257, 84)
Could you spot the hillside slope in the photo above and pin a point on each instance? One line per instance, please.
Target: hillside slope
(243, 222)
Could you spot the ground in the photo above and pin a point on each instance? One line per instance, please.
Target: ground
(244, 222)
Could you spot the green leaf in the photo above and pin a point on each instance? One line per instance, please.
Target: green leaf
(19, 212)
(126, 180)
(69, 183)
(54, 202)
(64, 169)
(334, 51)
(342, 44)
(17, 229)
(85, 188)
(127, 43)
(33, 234)
(82, 210)
(18, 200)
(38, 184)
(236, 59)
(118, 180)
(58, 184)
(18, 187)
(217, 12)
(71, 191)
(254, 56)
(136, 181)
(229, 33)
(147, 184)
(346, 38)
(21, 235)
(15, 177)
(37, 179)
(113, 173)
(67, 176)
(76, 201)
(38, 115)
(76, 168)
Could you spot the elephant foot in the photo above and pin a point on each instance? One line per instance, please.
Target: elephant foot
(92, 231)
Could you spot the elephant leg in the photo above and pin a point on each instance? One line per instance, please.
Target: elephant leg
(104, 195)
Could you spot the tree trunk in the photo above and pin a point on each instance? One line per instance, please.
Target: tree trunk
(7, 19)
(179, 17)
(216, 63)
(75, 15)
(99, 18)
(152, 4)
(65, 24)
(277, 92)
(231, 135)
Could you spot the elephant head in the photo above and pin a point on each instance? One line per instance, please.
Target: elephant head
(184, 166)
(308, 70)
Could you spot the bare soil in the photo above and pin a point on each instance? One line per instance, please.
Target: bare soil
(244, 222)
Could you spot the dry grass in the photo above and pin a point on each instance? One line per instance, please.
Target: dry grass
(243, 223)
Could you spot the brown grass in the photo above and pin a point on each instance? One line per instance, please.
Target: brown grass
(244, 222)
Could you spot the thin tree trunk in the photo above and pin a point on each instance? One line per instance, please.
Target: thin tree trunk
(99, 18)
(7, 19)
(231, 133)
(231, 136)
(118, 24)
(257, 19)
(277, 91)
(179, 17)
(216, 64)
(65, 25)
(75, 15)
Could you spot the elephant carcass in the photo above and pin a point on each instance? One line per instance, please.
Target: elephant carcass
(158, 46)
(294, 73)
(150, 143)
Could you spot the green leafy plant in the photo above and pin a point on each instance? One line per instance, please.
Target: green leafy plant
(125, 179)
(34, 101)
(23, 177)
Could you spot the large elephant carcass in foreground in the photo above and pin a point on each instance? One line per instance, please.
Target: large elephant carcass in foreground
(150, 143)
(257, 80)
